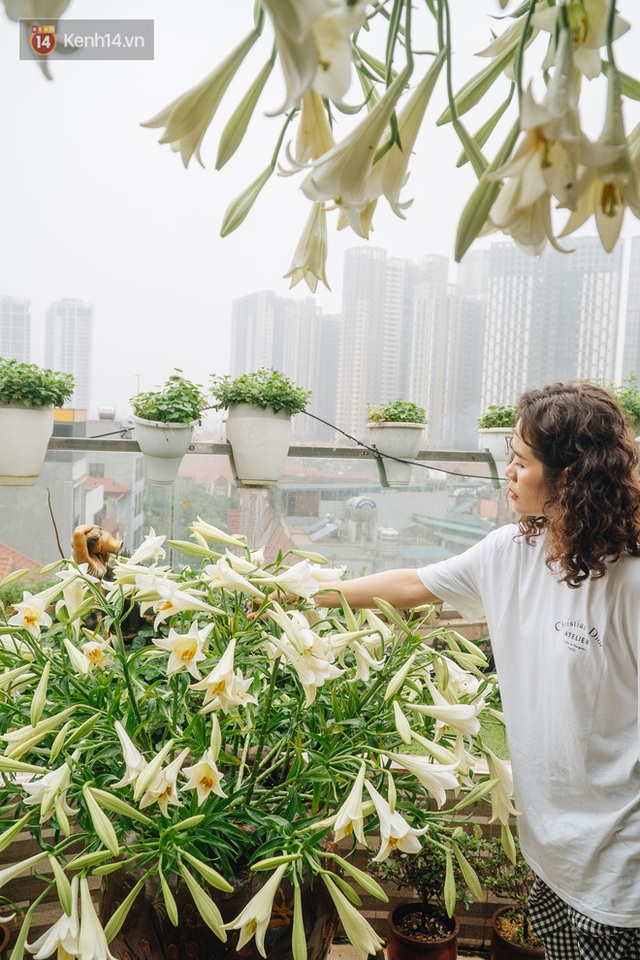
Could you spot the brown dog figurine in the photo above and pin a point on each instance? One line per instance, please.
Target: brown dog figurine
(94, 546)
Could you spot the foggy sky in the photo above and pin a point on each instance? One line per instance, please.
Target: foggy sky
(93, 208)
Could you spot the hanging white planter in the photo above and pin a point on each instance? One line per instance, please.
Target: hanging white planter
(497, 440)
(395, 439)
(24, 437)
(259, 439)
(163, 445)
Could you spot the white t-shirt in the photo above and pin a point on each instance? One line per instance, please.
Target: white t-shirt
(567, 663)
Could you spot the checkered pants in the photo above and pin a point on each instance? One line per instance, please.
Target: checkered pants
(568, 935)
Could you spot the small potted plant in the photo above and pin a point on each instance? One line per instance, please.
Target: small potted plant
(511, 938)
(258, 426)
(396, 429)
(164, 420)
(28, 394)
(495, 429)
(627, 394)
(426, 928)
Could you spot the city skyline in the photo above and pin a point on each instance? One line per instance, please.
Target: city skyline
(425, 324)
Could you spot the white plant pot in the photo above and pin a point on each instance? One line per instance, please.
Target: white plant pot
(24, 437)
(497, 440)
(163, 445)
(259, 441)
(397, 440)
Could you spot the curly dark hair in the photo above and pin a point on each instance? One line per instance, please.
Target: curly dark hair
(580, 434)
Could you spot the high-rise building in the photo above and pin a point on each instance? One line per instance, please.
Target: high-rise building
(631, 352)
(553, 317)
(68, 344)
(293, 337)
(446, 355)
(377, 298)
(15, 329)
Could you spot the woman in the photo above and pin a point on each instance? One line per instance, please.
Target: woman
(561, 594)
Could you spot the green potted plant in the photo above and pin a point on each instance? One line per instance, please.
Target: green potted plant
(511, 938)
(396, 430)
(204, 769)
(495, 429)
(259, 408)
(627, 394)
(28, 394)
(164, 421)
(429, 927)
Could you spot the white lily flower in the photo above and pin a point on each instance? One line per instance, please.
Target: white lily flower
(223, 688)
(31, 613)
(172, 598)
(126, 575)
(150, 549)
(350, 817)
(298, 580)
(79, 661)
(92, 941)
(359, 931)
(253, 920)
(185, 648)
(332, 32)
(510, 39)
(310, 654)
(187, 118)
(607, 188)
(365, 662)
(48, 791)
(208, 532)
(222, 576)
(204, 777)
(343, 174)
(310, 258)
(163, 788)
(391, 171)
(134, 761)
(395, 832)
(435, 777)
(98, 654)
(458, 716)
(63, 936)
(75, 584)
(502, 807)
(314, 135)
(588, 20)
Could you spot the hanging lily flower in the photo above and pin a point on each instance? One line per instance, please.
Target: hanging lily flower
(435, 777)
(187, 118)
(509, 41)
(395, 832)
(314, 135)
(350, 817)
(343, 174)
(253, 920)
(223, 688)
(609, 187)
(588, 21)
(310, 258)
(206, 531)
(502, 807)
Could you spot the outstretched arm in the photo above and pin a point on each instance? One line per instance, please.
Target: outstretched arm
(401, 588)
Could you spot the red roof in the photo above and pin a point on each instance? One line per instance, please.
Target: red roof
(11, 560)
(111, 488)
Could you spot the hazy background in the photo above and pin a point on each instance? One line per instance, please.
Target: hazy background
(91, 206)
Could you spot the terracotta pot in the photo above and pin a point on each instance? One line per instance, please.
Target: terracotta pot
(402, 947)
(503, 949)
(147, 933)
